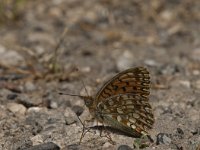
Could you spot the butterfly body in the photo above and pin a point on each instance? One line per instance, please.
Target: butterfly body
(123, 103)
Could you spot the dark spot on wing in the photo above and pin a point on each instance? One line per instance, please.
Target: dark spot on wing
(124, 89)
(115, 87)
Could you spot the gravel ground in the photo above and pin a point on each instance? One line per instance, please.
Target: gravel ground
(55, 45)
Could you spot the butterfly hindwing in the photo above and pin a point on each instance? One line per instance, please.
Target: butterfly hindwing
(128, 112)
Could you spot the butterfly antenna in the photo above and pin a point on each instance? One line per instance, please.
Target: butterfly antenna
(85, 88)
(61, 93)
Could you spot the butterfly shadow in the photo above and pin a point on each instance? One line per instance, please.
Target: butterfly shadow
(113, 130)
(119, 132)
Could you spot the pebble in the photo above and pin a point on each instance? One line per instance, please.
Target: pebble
(70, 116)
(194, 115)
(37, 139)
(151, 63)
(86, 69)
(9, 57)
(29, 86)
(34, 109)
(12, 96)
(196, 72)
(106, 145)
(185, 83)
(23, 143)
(3, 112)
(197, 84)
(124, 147)
(17, 109)
(169, 69)
(78, 110)
(196, 54)
(179, 133)
(53, 105)
(166, 17)
(126, 60)
(45, 146)
(163, 138)
(30, 100)
(196, 131)
(72, 147)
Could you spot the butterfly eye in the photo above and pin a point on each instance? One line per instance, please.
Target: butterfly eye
(88, 102)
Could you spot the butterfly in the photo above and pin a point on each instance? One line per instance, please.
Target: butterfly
(123, 103)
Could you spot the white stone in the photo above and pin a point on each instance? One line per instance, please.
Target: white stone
(17, 109)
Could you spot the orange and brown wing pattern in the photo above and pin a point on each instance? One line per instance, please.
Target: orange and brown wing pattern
(130, 113)
(123, 102)
(134, 80)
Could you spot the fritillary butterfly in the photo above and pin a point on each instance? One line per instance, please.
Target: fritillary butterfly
(123, 103)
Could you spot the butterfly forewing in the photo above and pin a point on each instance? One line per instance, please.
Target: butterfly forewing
(134, 80)
(123, 102)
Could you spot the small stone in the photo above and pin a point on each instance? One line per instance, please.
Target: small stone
(53, 105)
(3, 112)
(72, 147)
(70, 116)
(9, 57)
(86, 69)
(126, 60)
(196, 54)
(16, 108)
(197, 84)
(36, 128)
(198, 147)
(78, 110)
(124, 147)
(180, 131)
(37, 139)
(196, 131)
(196, 72)
(185, 83)
(177, 28)
(151, 62)
(169, 69)
(45, 146)
(12, 96)
(39, 50)
(29, 100)
(29, 86)
(34, 109)
(194, 115)
(166, 16)
(23, 143)
(163, 138)
(55, 12)
(107, 145)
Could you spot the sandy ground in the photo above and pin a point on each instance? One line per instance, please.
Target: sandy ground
(41, 51)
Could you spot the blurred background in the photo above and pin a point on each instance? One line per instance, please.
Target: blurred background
(50, 46)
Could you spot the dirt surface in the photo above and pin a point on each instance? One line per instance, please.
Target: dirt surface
(41, 51)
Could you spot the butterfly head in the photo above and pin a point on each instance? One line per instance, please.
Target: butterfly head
(88, 100)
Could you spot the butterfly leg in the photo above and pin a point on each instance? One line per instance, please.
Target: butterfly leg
(107, 135)
(84, 129)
